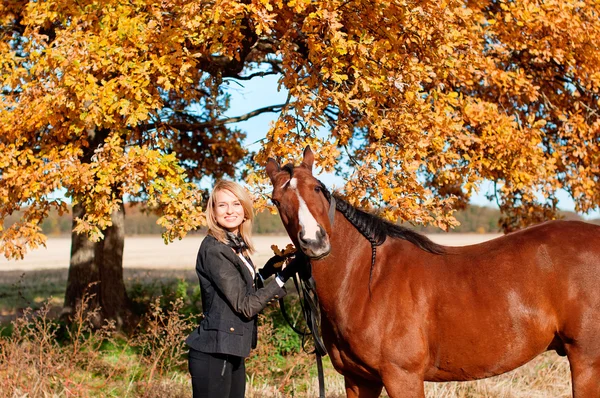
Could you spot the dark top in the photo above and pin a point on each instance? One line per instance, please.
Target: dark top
(231, 300)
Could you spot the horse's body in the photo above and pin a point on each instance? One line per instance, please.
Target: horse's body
(470, 313)
(449, 313)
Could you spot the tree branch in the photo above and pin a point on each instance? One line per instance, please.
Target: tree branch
(214, 123)
(257, 74)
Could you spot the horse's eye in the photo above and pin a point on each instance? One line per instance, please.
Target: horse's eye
(275, 202)
(317, 189)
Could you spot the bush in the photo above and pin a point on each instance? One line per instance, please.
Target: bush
(35, 363)
(161, 337)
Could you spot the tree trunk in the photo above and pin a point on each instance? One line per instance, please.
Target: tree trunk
(97, 268)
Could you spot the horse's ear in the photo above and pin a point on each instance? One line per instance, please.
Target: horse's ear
(272, 168)
(309, 158)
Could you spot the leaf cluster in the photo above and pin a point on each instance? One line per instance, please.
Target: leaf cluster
(413, 103)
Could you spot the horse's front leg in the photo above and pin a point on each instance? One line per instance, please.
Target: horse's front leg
(585, 371)
(359, 387)
(402, 384)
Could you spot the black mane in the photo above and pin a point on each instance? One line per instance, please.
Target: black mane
(376, 229)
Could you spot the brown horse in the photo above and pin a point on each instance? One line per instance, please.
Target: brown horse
(398, 309)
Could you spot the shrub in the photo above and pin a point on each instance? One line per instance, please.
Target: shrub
(161, 337)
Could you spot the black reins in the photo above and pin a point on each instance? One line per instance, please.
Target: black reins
(309, 302)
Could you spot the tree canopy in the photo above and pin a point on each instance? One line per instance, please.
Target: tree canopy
(415, 103)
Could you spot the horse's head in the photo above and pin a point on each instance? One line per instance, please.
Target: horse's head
(302, 205)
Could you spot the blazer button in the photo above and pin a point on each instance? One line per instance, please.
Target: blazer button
(231, 329)
(276, 296)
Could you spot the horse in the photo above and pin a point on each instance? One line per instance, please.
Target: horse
(398, 309)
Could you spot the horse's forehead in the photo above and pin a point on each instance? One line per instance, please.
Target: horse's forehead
(302, 175)
(294, 180)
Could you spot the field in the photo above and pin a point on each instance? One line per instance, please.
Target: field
(149, 264)
(151, 252)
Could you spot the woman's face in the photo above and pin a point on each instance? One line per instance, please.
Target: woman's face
(228, 210)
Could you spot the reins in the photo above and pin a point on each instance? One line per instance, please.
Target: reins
(309, 302)
(310, 309)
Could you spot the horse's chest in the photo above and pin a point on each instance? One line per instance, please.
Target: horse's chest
(348, 352)
(346, 361)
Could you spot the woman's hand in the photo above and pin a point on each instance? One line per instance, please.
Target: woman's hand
(297, 264)
(271, 266)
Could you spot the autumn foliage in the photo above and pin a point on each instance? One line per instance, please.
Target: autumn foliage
(428, 99)
(414, 102)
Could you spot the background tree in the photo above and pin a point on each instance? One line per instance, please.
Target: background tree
(427, 99)
(78, 81)
(415, 103)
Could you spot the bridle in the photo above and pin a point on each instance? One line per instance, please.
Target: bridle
(331, 212)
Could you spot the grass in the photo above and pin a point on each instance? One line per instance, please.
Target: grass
(19, 290)
(39, 356)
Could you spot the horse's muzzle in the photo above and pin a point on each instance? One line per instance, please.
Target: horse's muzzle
(315, 248)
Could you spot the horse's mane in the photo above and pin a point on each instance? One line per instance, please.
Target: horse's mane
(376, 229)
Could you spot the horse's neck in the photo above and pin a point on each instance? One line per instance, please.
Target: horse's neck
(344, 273)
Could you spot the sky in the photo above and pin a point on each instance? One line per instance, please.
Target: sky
(261, 92)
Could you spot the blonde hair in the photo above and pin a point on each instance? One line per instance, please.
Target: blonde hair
(214, 229)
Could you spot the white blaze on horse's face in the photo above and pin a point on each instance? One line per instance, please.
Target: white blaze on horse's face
(312, 237)
(307, 221)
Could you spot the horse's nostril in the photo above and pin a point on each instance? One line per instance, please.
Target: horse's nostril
(321, 233)
(301, 236)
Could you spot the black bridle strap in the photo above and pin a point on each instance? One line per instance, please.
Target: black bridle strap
(312, 314)
(302, 333)
(310, 310)
(331, 211)
(309, 303)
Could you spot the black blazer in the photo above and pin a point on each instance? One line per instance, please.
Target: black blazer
(231, 300)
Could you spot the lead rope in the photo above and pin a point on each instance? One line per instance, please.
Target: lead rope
(309, 302)
(310, 309)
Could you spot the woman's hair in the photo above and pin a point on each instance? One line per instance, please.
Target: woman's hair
(219, 232)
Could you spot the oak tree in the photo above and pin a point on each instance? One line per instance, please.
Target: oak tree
(415, 103)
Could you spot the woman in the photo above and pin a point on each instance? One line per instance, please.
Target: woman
(232, 295)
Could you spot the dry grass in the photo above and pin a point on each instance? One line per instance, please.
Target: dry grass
(45, 358)
(547, 376)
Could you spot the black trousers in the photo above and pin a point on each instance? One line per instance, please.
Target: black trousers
(217, 375)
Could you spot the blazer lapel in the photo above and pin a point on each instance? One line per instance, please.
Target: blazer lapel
(237, 261)
(245, 271)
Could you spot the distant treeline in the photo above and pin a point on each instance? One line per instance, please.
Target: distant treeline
(143, 223)
(474, 219)
(483, 220)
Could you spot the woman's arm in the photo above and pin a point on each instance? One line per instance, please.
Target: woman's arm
(223, 273)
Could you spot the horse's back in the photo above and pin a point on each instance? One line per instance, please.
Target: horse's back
(556, 263)
(552, 247)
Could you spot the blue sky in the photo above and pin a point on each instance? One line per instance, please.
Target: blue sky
(261, 92)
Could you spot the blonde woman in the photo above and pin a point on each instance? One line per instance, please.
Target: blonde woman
(232, 295)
